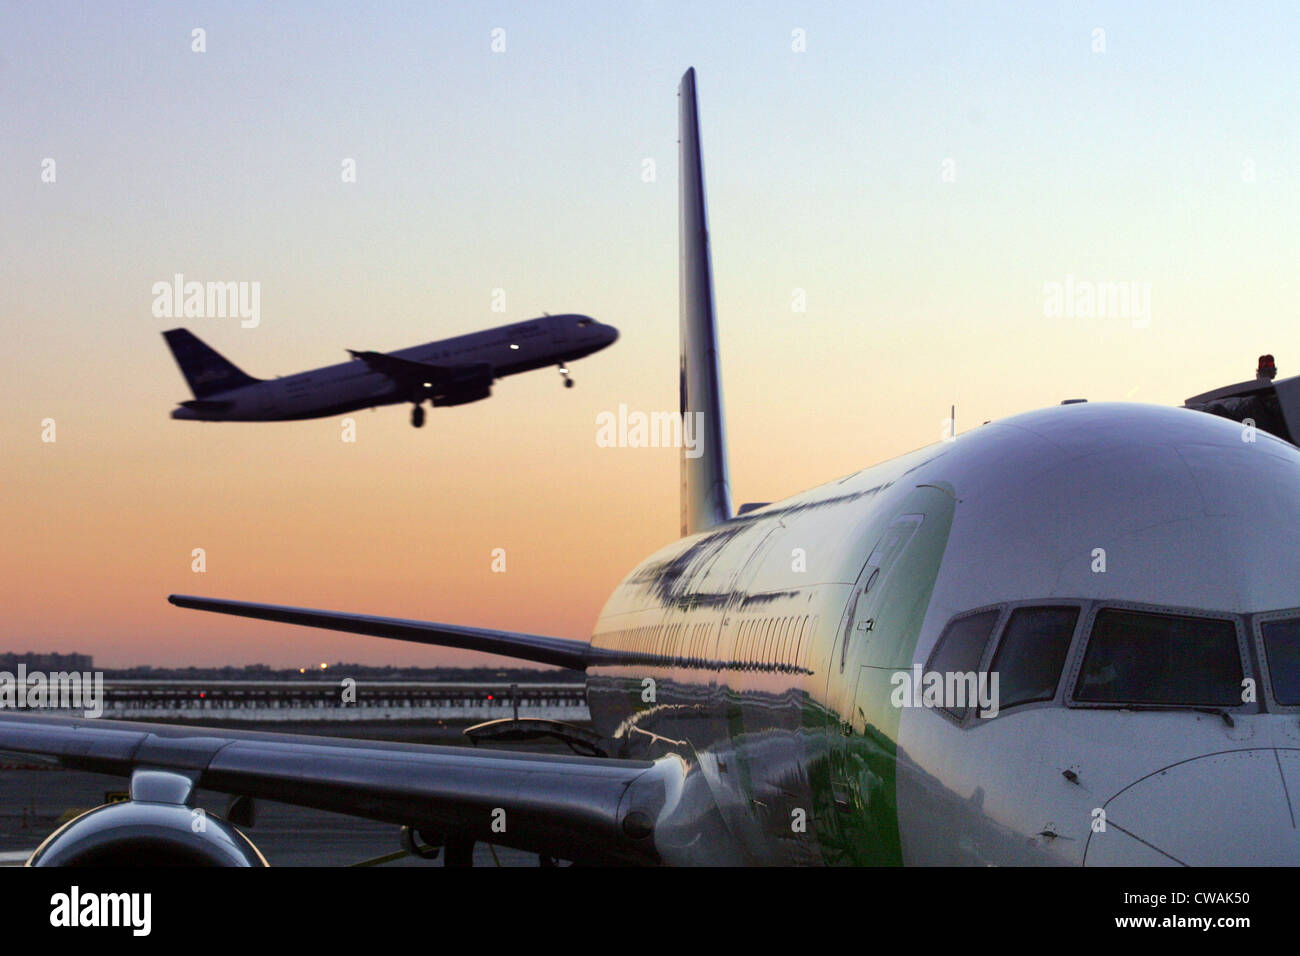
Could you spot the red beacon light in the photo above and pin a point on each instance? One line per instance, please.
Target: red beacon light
(1267, 368)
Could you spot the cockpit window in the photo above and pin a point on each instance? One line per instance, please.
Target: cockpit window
(1282, 649)
(1032, 653)
(583, 323)
(1161, 659)
(961, 648)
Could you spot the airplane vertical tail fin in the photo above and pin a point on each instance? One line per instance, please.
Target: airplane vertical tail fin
(706, 482)
(206, 372)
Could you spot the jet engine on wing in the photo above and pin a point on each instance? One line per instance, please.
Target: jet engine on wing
(463, 385)
(158, 826)
(463, 397)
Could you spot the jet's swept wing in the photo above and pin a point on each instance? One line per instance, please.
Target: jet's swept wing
(587, 809)
(407, 372)
(444, 384)
(558, 651)
(398, 369)
(574, 808)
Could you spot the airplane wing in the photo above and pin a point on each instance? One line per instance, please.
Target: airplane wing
(407, 372)
(558, 651)
(587, 809)
(574, 808)
(443, 384)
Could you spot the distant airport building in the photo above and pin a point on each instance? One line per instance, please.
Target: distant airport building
(298, 700)
(48, 663)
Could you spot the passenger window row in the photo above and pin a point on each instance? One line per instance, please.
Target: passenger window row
(680, 644)
(771, 643)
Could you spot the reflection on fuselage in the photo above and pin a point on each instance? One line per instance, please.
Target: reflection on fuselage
(764, 652)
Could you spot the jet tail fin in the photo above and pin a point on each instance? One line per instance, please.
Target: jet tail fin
(206, 372)
(705, 480)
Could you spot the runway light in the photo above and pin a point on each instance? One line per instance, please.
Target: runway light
(323, 665)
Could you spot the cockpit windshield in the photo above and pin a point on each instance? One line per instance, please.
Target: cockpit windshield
(1136, 657)
(1282, 648)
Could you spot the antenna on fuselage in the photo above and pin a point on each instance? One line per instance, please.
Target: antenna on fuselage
(705, 480)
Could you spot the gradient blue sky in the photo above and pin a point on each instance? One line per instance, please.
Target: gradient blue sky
(522, 171)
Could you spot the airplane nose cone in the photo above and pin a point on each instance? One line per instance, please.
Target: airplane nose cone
(1227, 809)
(611, 335)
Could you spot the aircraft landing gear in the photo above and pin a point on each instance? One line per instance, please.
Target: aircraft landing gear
(564, 373)
(417, 416)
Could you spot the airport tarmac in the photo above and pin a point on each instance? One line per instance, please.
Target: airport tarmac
(36, 799)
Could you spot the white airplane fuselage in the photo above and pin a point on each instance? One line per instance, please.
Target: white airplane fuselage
(749, 651)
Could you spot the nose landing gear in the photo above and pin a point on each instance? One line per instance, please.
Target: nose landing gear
(564, 374)
(417, 416)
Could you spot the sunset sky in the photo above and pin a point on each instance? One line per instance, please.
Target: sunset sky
(921, 171)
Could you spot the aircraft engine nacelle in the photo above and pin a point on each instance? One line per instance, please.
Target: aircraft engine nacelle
(157, 827)
(146, 834)
(464, 396)
(469, 384)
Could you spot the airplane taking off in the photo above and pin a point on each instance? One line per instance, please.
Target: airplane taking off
(1070, 637)
(453, 371)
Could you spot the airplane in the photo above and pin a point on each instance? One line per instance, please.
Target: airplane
(762, 690)
(453, 371)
